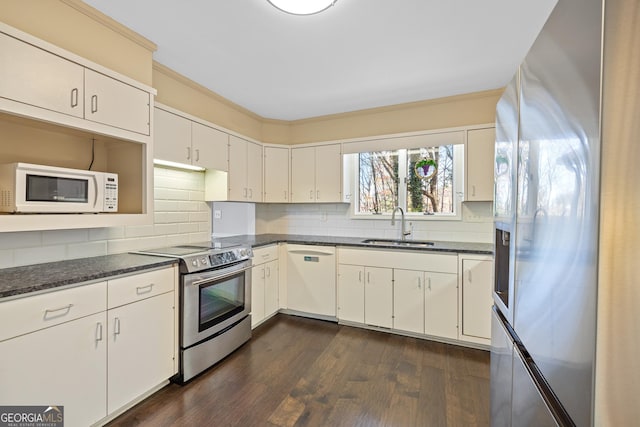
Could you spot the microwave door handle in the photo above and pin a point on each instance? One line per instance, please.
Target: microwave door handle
(96, 192)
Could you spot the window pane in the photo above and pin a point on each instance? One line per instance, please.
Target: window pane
(430, 187)
(378, 182)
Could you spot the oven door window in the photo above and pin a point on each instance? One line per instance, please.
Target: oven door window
(221, 300)
(56, 189)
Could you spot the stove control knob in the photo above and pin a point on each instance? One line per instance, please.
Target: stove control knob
(203, 260)
(194, 262)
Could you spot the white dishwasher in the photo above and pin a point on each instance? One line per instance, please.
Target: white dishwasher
(311, 280)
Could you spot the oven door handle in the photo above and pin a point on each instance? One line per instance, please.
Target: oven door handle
(221, 277)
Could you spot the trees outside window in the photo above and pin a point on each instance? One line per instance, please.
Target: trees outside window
(423, 181)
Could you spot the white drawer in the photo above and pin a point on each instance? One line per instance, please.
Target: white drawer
(137, 287)
(264, 254)
(32, 313)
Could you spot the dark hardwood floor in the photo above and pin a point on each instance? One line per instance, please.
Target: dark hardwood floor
(303, 372)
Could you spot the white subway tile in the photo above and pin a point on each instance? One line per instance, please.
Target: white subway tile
(6, 258)
(165, 229)
(57, 237)
(187, 228)
(40, 254)
(199, 237)
(177, 239)
(127, 245)
(98, 234)
(165, 205)
(82, 250)
(23, 239)
(139, 231)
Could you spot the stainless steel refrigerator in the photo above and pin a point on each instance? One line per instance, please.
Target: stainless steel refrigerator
(566, 328)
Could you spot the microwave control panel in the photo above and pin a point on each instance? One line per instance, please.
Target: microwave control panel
(110, 192)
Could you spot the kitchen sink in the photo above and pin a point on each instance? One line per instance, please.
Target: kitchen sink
(399, 243)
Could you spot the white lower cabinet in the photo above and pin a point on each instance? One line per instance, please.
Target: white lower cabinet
(382, 288)
(63, 365)
(378, 297)
(140, 348)
(264, 284)
(351, 293)
(408, 300)
(92, 349)
(441, 305)
(476, 280)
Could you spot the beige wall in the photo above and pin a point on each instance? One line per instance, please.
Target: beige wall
(79, 28)
(186, 95)
(462, 110)
(183, 94)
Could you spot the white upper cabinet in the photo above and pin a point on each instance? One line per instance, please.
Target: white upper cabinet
(114, 103)
(209, 147)
(245, 170)
(479, 155)
(179, 139)
(316, 174)
(70, 88)
(276, 174)
(22, 78)
(172, 137)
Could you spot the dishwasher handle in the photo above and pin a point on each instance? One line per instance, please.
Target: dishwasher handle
(312, 252)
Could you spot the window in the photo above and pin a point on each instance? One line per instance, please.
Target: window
(423, 181)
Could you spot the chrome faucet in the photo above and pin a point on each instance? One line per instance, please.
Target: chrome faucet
(403, 233)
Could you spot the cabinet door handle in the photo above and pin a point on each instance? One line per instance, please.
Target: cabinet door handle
(61, 311)
(141, 290)
(368, 277)
(116, 326)
(268, 271)
(317, 194)
(310, 194)
(188, 153)
(251, 193)
(473, 190)
(94, 104)
(429, 283)
(197, 154)
(470, 279)
(263, 273)
(360, 276)
(285, 195)
(74, 97)
(419, 283)
(98, 331)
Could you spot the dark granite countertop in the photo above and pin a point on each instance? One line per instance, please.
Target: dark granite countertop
(267, 239)
(40, 277)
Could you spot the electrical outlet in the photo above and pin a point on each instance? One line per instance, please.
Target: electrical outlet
(217, 214)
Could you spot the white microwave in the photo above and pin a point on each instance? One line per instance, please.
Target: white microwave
(28, 188)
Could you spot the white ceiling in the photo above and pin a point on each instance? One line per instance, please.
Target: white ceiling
(357, 54)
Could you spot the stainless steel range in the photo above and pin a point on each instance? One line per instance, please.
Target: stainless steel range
(215, 302)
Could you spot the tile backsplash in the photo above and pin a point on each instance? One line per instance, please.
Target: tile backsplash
(181, 216)
(335, 220)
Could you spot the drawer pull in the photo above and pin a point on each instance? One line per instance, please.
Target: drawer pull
(141, 290)
(49, 313)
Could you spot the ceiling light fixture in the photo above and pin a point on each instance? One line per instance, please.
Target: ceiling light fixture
(302, 7)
